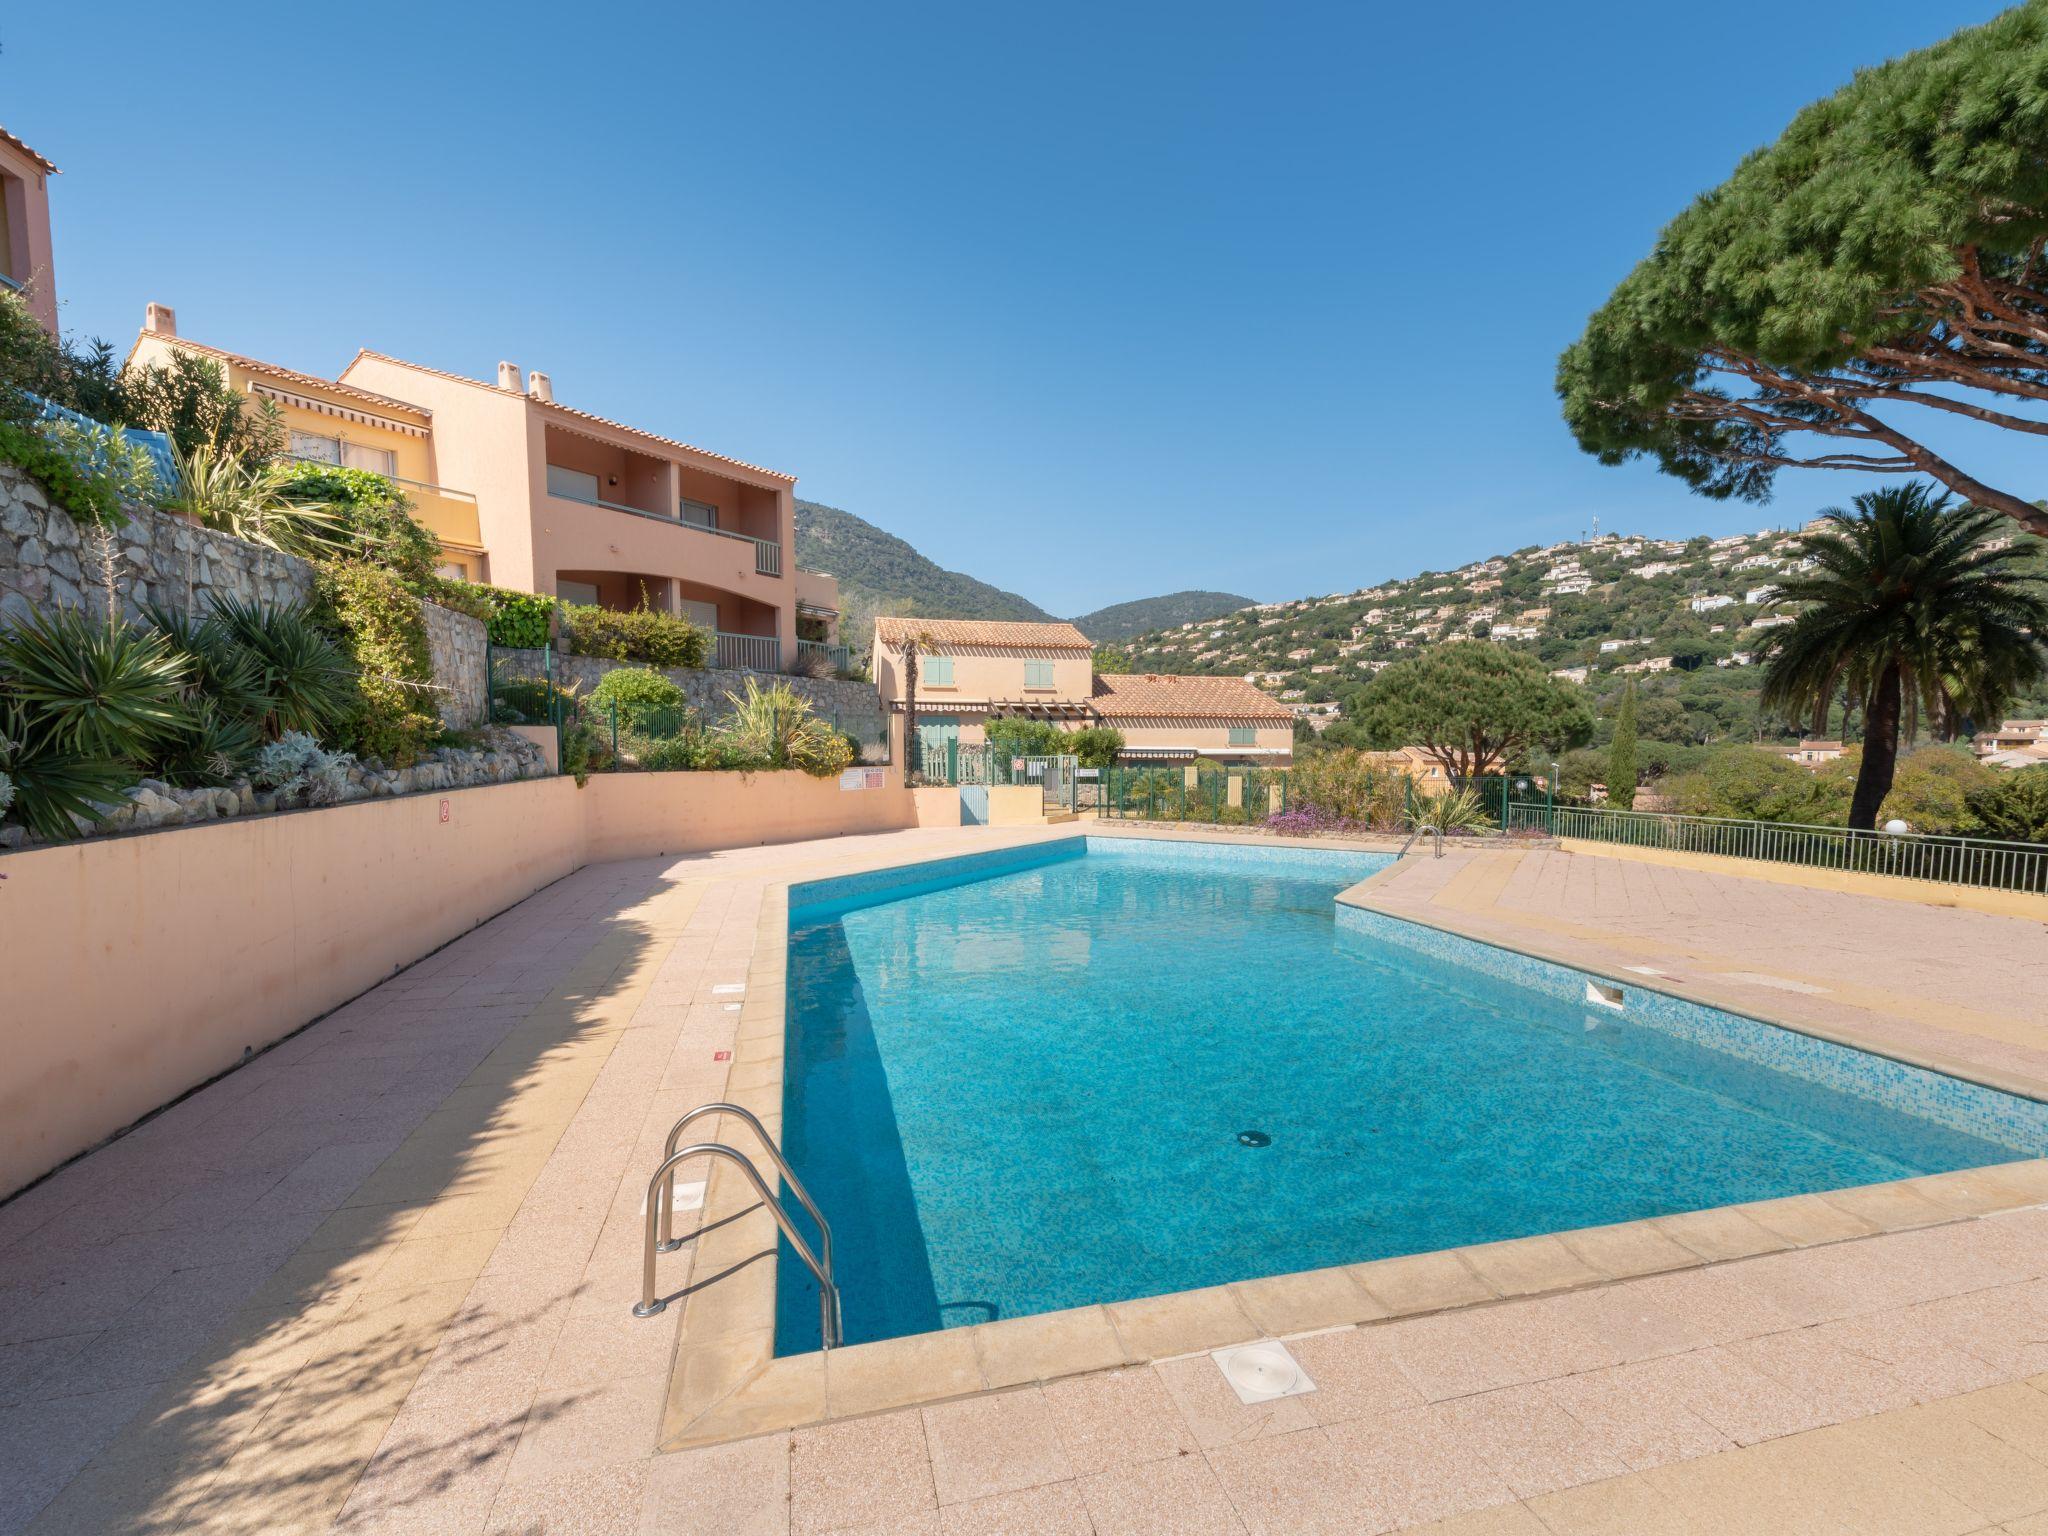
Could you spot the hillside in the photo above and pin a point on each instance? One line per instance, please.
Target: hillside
(880, 573)
(1684, 617)
(1120, 621)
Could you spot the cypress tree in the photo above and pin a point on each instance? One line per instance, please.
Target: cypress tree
(1621, 756)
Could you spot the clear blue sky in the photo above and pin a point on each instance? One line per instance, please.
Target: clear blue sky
(1092, 301)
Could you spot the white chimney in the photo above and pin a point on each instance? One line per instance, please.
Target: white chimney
(160, 320)
(508, 376)
(540, 386)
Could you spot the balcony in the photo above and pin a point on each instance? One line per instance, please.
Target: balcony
(748, 653)
(836, 656)
(577, 488)
(767, 553)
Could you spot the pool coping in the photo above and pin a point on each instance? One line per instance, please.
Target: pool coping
(726, 1382)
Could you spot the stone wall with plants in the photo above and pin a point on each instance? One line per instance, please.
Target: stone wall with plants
(47, 559)
(298, 775)
(853, 708)
(157, 560)
(457, 652)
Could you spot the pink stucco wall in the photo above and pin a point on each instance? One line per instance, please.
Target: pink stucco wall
(138, 967)
(29, 257)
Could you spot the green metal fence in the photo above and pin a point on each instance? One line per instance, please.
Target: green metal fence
(1967, 861)
(1218, 796)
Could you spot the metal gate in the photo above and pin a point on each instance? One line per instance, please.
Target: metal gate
(1054, 776)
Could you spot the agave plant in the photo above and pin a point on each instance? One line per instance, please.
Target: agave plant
(218, 666)
(775, 726)
(1454, 811)
(93, 688)
(259, 503)
(49, 785)
(307, 683)
(217, 746)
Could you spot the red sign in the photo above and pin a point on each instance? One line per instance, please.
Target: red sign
(721, 1055)
(444, 810)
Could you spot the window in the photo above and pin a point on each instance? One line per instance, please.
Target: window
(572, 484)
(583, 592)
(1243, 735)
(703, 615)
(315, 449)
(936, 672)
(700, 514)
(1037, 674)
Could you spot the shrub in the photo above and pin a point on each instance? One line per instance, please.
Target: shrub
(1932, 790)
(83, 378)
(638, 634)
(379, 624)
(520, 701)
(1461, 810)
(217, 746)
(2015, 807)
(1097, 747)
(663, 754)
(776, 726)
(304, 681)
(517, 620)
(1348, 785)
(373, 518)
(6, 794)
(192, 401)
(1026, 738)
(257, 502)
(93, 688)
(90, 498)
(50, 785)
(296, 763)
(645, 700)
(1753, 784)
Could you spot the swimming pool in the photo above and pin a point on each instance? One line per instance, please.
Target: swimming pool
(1106, 1068)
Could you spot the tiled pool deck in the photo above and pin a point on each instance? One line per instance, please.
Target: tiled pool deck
(380, 1277)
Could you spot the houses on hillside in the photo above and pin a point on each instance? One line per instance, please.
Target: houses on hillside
(970, 671)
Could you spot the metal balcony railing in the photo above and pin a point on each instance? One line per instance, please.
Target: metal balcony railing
(837, 655)
(749, 653)
(1907, 855)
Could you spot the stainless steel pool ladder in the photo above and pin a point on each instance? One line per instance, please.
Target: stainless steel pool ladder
(661, 1201)
(1439, 833)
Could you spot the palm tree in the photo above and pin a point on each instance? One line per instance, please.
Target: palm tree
(1907, 610)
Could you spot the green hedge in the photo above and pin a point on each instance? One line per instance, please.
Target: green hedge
(638, 634)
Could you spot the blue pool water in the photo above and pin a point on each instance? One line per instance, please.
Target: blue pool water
(1018, 1083)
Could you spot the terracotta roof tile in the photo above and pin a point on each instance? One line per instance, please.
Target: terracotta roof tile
(41, 160)
(990, 632)
(570, 410)
(309, 380)
(1130, 695)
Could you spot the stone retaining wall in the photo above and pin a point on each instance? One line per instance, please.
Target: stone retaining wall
(49, 561)
(855, 708)
(459, 646)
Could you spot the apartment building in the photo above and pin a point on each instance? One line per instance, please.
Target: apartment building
(328, 422)
(27, 262)
(526, 492)
(971, 671)
(2030, 736)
